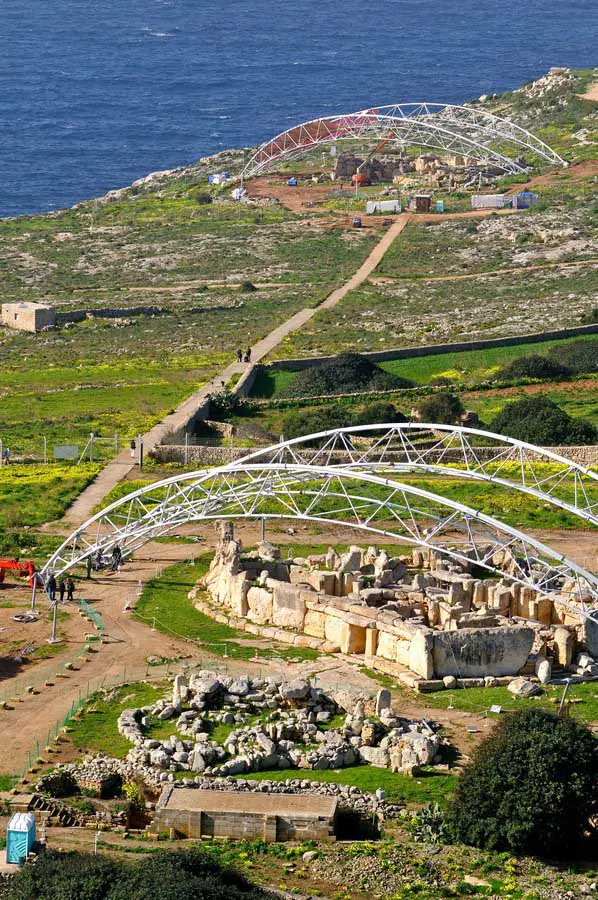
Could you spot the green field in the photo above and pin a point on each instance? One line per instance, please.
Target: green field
(380, 316)
(33, 495)
(463, 367)
(427, 787)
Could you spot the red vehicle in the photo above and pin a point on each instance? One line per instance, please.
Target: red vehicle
(360, 180)
(24, 567)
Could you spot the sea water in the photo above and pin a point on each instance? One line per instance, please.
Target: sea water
(96, 93)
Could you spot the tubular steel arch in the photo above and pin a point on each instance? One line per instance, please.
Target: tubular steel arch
(462, 130)
(448, 450)
(338, 496)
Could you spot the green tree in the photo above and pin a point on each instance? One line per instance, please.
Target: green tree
(442, 409)
(539, 420)
(531, 787)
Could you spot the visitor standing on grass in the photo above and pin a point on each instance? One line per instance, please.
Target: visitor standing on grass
(61, 589)
(70, 590)
(51, 588)
(88, 566)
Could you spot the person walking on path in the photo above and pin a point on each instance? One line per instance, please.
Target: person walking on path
(117, 558)
(247, 355)
(88, 566)
(239, 355)
(61, 589)
(70, 590)
(51, 588)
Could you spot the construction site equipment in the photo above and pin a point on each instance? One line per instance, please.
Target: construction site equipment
(360, 179)
(24, 567)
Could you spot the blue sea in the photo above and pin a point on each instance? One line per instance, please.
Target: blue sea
(96, 93)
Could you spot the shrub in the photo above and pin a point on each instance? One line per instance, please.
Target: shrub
(379, 411)
(443, 409)
(185, 875)
(345, 374)
(224, 404)
(533, 366)
(580, 357)
(59, 784)
(297, 423)
(531, 787)
(204, 199)
(539, 420)
(590, 317)
(247, 287)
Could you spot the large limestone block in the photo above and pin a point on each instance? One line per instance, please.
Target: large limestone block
(387, 645)
(334, 630)
(420, 654)
(475, 653)
(238, 594)
(564, 646)
(324, 582)
(288, 607)
(402, 652)
(315, 623)
(298, 575)
(354, 639)
(371, 641)
(259, 601)
(479, 594)
(351, 560)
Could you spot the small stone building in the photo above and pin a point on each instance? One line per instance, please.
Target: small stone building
(28, 316)
(195, 813)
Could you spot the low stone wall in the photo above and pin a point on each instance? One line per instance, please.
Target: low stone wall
(299, 365)
(205, 454)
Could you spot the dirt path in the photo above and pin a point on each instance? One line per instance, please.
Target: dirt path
(119, 468)
(591, 93)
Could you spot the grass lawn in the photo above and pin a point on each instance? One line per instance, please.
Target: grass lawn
(428, 787)
(584, 696)
(469, 366)
(95, 729)
(164, 599)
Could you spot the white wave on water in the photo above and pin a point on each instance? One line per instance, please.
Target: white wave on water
(159, 34)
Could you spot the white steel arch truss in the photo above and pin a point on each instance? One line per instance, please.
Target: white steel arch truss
(333, 495)
(461, 130)
(454, 450)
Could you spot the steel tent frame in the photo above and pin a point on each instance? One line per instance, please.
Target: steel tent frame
(332, 495)
(461, 130)
(453, 450)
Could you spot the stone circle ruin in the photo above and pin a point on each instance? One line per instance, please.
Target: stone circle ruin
(269, 724)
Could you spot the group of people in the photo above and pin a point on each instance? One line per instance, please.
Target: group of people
(64, 586)
(244, 357)
(113, 563)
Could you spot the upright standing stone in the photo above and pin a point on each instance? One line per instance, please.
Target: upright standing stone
(382, 700)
